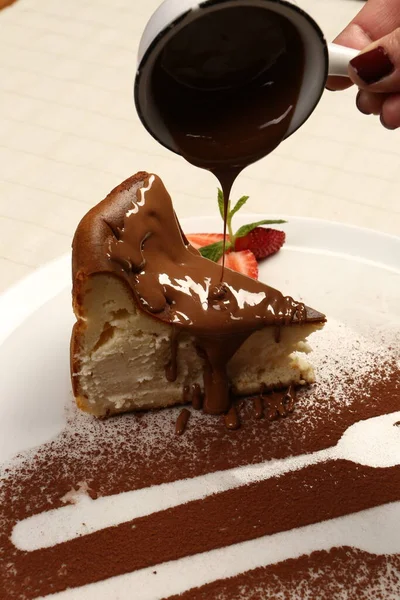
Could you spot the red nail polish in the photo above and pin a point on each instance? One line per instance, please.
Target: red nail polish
(373, 66)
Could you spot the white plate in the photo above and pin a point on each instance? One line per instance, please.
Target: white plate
(349, 273)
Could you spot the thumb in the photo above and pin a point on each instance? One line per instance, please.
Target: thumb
(377, 68)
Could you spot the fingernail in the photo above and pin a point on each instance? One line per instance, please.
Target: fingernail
(382, 120)
(373, 66)
(358, 104)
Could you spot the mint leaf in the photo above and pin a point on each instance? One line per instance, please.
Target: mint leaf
(214, 251)
(241, 202)
(221, 203)
(245, 229)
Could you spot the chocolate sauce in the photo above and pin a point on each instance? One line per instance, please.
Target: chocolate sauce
(194, 395)
(197, 397)
(227, 85)
(182, 421)
(171, 282)
(290, 398)
(280, 404)
(232, 420)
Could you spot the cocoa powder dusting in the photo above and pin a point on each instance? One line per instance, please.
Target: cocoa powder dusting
(340, 574)
(258, 407)
(128, 453)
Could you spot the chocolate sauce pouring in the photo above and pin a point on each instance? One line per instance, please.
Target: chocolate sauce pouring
(227, 85)
(171, 281)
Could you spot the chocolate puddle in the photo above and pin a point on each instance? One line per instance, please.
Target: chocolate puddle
(280, 404)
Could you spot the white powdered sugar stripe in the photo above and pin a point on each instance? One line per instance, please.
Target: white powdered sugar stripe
(374, 442)
(376, 530)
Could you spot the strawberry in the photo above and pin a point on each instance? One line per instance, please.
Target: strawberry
(242, 249)
(199, 240)
(243, 262)
(262, 242)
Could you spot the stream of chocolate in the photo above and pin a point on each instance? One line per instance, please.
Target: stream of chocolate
(227, 85)
(172, 282)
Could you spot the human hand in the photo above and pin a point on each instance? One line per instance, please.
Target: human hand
(376, 70)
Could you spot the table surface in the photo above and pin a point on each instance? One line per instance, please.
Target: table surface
(69, 133)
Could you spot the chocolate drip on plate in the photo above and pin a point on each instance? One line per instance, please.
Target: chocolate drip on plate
(197, 397)
(232, 420)
(280, 404)
(182, 421)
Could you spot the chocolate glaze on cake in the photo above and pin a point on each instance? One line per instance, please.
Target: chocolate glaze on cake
(135, 236)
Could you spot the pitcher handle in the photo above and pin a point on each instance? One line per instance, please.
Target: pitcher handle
(339, 58)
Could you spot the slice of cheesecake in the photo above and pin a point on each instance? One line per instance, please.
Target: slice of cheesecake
(155, 325)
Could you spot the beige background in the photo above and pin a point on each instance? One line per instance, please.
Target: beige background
(69, 133)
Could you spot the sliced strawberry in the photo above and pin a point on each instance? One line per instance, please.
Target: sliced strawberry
(199, 240)
(243, 262)
(261, 241)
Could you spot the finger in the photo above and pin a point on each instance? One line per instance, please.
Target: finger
(377, 67)
(376, 19)
(390, 115)
(370, 104)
